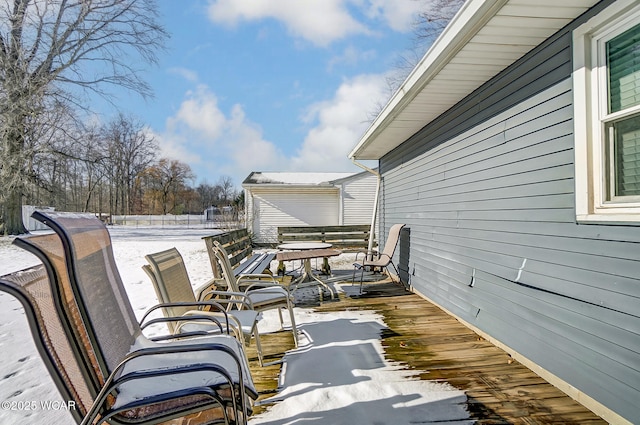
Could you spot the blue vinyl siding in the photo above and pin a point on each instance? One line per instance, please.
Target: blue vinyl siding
(487, 193)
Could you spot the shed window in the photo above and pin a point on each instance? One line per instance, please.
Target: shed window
(606, 79)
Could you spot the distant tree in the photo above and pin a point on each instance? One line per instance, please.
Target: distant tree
(227, 191)
(432, 20)
(170, 179)
(95, 163)
(46, 138)
(208, 195)
(46, 46)
(238, 205)
(131, 150)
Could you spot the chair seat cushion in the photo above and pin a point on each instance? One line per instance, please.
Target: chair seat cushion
(247, 319)
(263, 296)
(140, 389)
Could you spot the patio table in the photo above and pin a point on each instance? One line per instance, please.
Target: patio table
(305, 251)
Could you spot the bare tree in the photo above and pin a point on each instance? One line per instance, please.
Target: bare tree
(208, 195)
(130, 150)
(46, 46)
(433, 19)
(169, 180)
(227, 191)
(95, 166)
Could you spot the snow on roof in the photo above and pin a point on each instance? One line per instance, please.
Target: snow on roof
(279, 178)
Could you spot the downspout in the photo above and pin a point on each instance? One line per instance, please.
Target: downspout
(375, 201)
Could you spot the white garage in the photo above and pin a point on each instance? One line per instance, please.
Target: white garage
(275, 199)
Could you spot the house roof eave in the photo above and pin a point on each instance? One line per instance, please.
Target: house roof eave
(483, 38)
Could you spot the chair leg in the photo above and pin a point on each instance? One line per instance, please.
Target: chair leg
(293, 327)
(361, 278)
(256, 335)
(281, 320)
(397, 273)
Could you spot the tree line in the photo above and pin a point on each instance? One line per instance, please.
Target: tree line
(54, 56)
(114, 169)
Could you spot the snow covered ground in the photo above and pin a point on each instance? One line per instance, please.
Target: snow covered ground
(338, 375)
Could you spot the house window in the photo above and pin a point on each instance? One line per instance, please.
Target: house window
(606, 83)
(622, 120)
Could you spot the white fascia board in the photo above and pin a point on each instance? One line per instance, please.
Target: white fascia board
(471, 17)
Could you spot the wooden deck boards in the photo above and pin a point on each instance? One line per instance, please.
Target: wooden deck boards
(424, 338)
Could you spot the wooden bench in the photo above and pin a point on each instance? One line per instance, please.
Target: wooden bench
(238, 245)
(343, 237)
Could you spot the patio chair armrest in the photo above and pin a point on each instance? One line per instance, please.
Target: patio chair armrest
(261, 284)
(177, 349)
(381, 255)
(210, 304)
(366, 253)
(211, 319)
(192, 316)
(212, 284)
(238, 298)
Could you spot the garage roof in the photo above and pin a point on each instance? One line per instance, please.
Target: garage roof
(296, 179)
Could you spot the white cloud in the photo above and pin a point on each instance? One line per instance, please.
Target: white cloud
(340, 123)
(398, 14)
(215, 143)
(175, 146)
(187, 74)
(200, 112)
(318, 21)
(351, 55)
(247, 147)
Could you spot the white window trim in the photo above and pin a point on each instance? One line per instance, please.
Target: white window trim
(587, 85)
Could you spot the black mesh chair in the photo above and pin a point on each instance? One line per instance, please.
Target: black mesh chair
(116, 374)
(49, 330)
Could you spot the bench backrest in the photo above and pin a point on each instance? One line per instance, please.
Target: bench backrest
(355, 236)
(237, 243)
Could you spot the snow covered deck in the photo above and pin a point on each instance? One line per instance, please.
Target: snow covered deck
(432, 346)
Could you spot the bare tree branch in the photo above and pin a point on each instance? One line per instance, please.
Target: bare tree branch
(49, 49)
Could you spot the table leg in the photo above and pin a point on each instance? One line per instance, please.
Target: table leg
(326, 269)
(308, 276)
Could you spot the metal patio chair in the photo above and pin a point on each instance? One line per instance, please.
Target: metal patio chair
(382, 259)
(124, 377)
(32, 288)
(263, 294)
(170, 279)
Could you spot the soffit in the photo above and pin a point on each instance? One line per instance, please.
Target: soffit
(484, 38)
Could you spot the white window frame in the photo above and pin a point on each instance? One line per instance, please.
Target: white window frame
(590, 96)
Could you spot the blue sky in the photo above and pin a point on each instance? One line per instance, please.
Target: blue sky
(278, 85)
